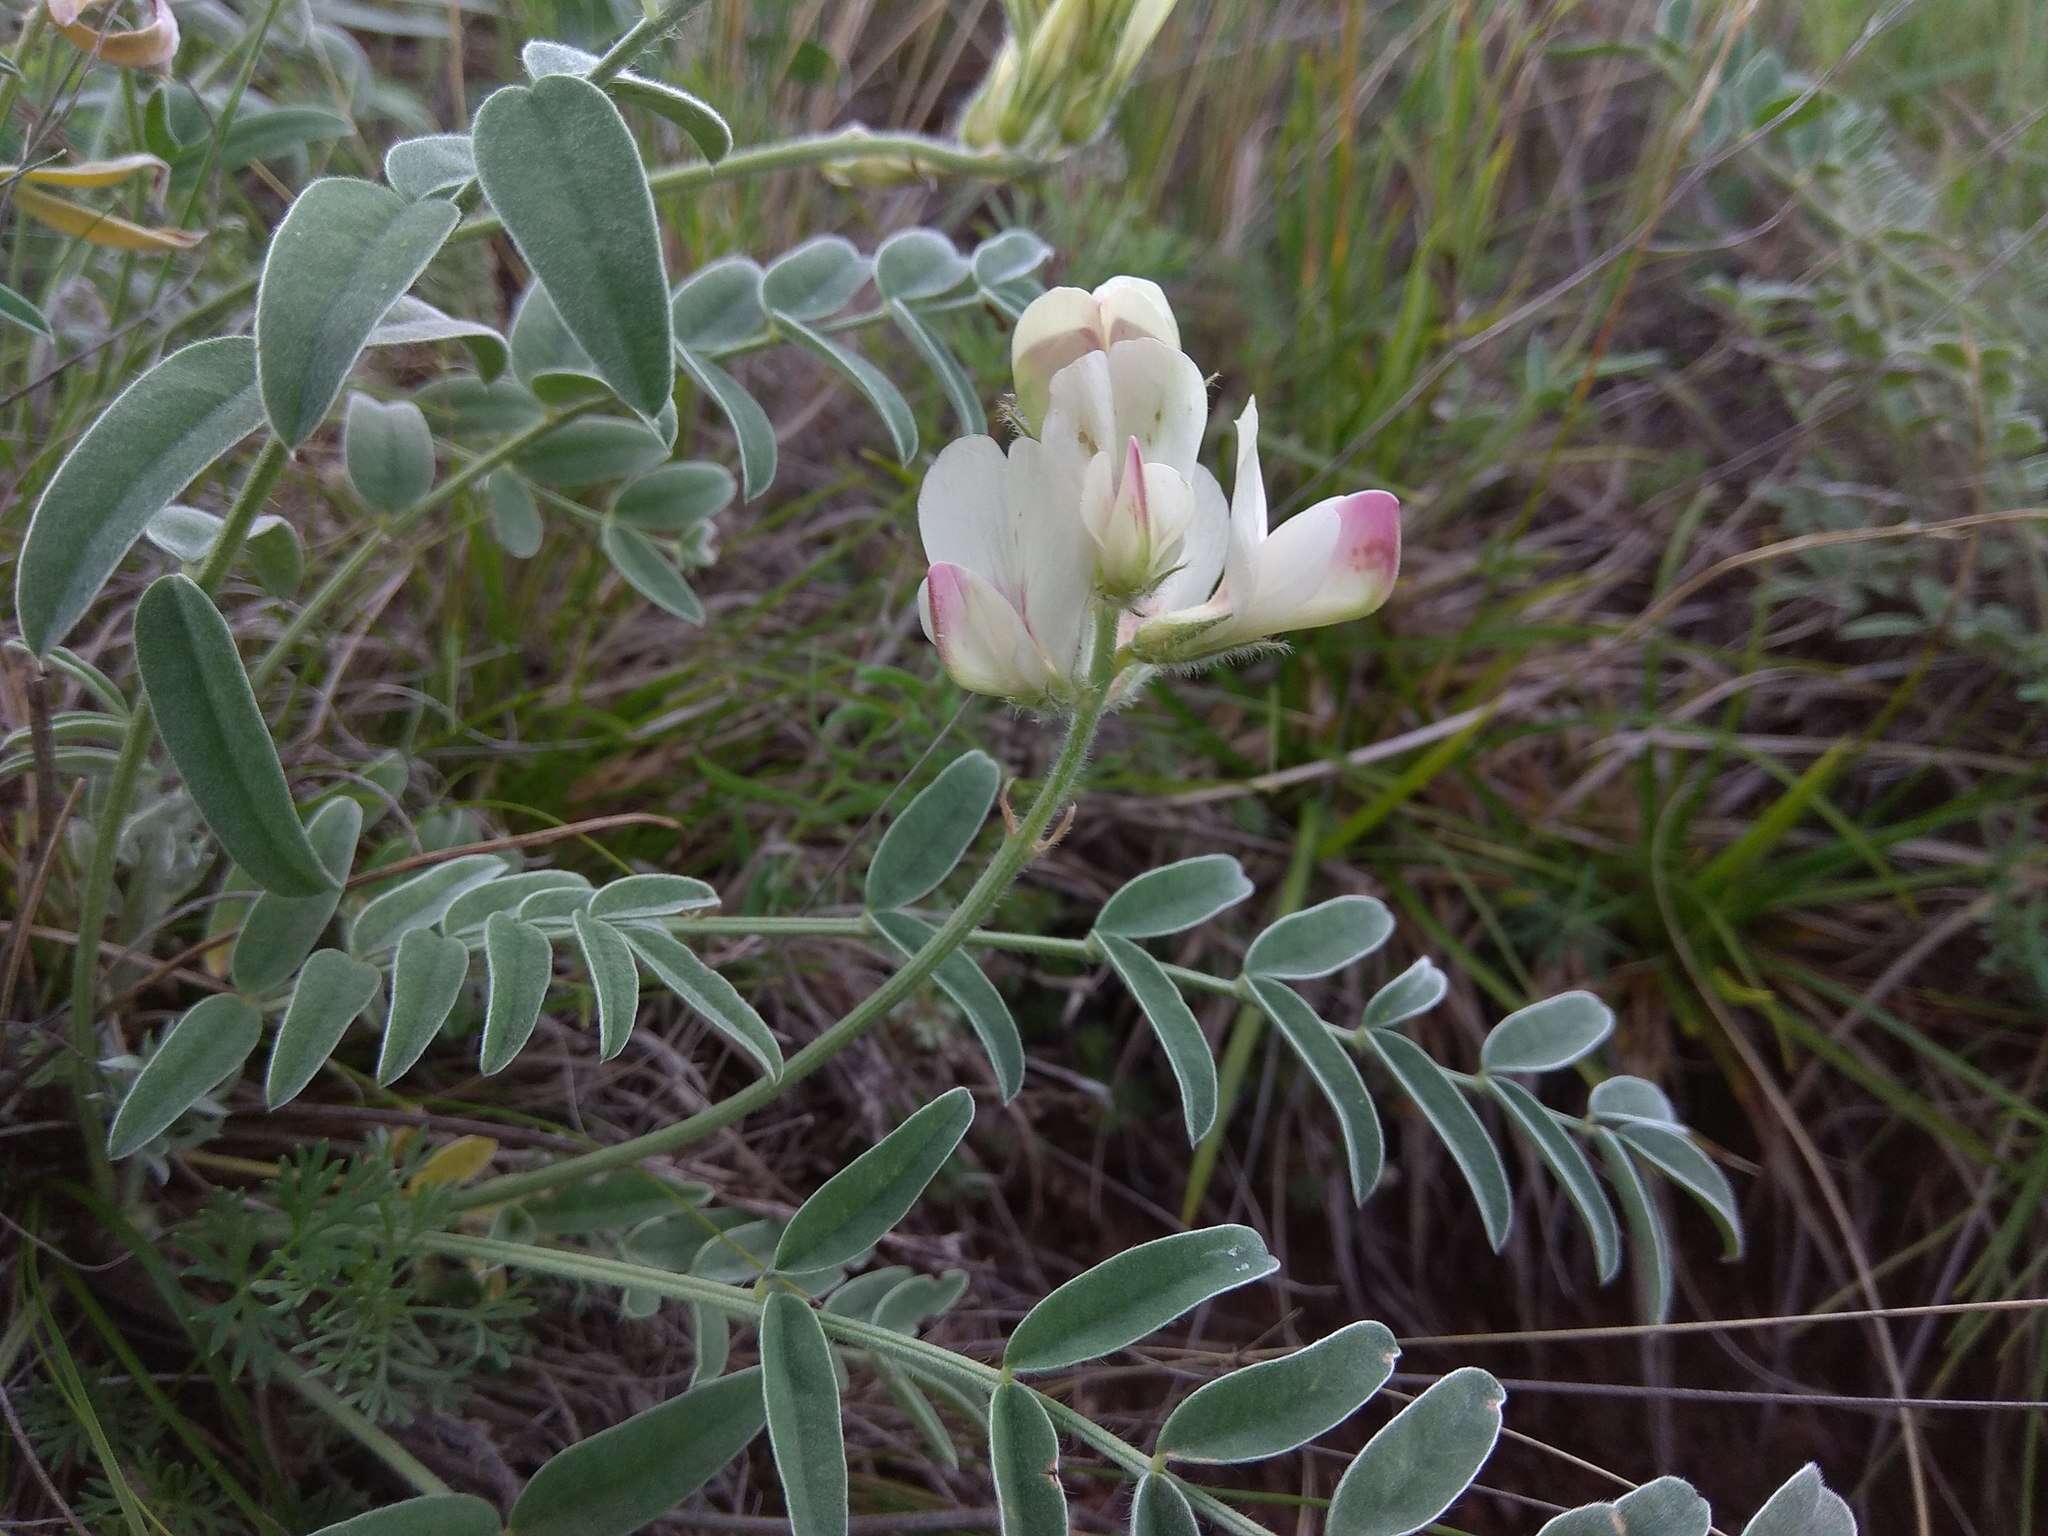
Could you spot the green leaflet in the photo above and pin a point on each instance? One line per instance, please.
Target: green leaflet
(1652, 1266)
(695, 117)
(1667, 1506)
(926, 841)
(1414, 992)
(388, 451)
(1573, 1168)
(561, 168)
(331, 990)
(202, 1050)
(515, 516)
(1174, 897)
(751, 428)
(851, 1211)
(426, 978)
(1277, 1405)
(18, 311)
(280, 931)
(345, 252)
(918, 264)
(864, 376)
(1320, 939)
(649, 572)
(160, 433)
(1619, 1100)
(429, 166)
(591, 449)
(207, 716)
(1336, 1074)
(675, 497)
(1791, 1510)
(803, 1416)
(1024, 1456)
(546, 357)
(411, 322)
(1134, 1293)
(419, 901)
(815, 279)
(1160, 1508)
(638, 896)
(519, 962)
(953, 378)
(621, 1478)
(1173, 1025)
(707, 992)
(718, 307)
(507, 893)
(971, 992)
(911, 1302)
(1547, 1035)
(609, 1201)
(1470, 1145)
(1672, 1153)
(1415, 1468)
(437, 1514)
(614, 976)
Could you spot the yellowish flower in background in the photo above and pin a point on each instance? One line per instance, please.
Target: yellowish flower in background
(1060, 72)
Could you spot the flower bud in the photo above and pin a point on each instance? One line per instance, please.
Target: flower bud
(1058, 77)
(1138, 516)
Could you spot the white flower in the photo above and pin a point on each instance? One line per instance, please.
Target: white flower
(1332, 563)
(1006, 599)
(1063, 324)
(1122, 431)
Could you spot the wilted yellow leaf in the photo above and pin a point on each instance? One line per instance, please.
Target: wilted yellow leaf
(462, 1159)
(99, 228)
(146, 47)
(87, 173)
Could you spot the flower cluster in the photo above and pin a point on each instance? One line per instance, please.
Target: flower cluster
(1108, 504)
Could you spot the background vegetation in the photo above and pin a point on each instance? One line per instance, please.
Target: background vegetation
(1704, 346)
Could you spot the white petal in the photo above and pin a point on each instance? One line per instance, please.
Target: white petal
(1160, 400)
(960, 507)
(1133, 307)
(1201, 549)
(1080, 415)
(1050, 552)
(1330, 564)
(1247, 510)
(1055, 328)
(981, 640)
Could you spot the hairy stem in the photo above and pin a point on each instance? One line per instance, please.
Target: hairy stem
(136, 739)
(366, 1434)
(642, 34)
(1017, 850)
(913, 1353)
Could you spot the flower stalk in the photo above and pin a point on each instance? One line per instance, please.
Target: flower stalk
(1023, 844)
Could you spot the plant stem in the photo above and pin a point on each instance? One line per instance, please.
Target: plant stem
(638, 36)
(915, 1353)
(847, 144)
(1017, 850)
(98, 893)
(1250, 1023)
(358, 1428)
(367, 549)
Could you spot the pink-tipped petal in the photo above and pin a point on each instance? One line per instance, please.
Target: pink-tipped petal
(1132, 491)
(1330, 564)
(981, 640)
